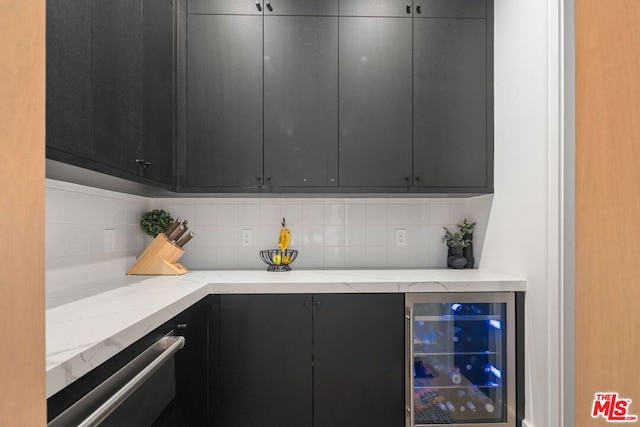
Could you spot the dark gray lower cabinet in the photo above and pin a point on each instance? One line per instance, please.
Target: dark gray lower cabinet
(358, 360)
(322, 360)
(192, 366)
(225, 103)
(451, 112)
(375, 102)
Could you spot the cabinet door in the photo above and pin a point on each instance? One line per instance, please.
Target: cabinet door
(376, 8)
(117, 83)
(69, 76)
(301, 101)
(375, 102)
(231, 7)
(450, 8)
(265, 377)
(158, 89)
(224, 111)
(301, 7)
(359, 360)
(450, 103)
(192, 385)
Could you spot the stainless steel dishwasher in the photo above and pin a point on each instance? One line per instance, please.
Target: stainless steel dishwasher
(134, 396)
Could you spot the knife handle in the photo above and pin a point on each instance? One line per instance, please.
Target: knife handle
(175, 233)
(185, 240)
(172, 227)
(183, 229)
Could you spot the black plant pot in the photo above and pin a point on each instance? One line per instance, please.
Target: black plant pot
(455, 258)
(468, 251)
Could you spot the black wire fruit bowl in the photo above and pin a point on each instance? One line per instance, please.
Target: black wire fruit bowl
(278, 260)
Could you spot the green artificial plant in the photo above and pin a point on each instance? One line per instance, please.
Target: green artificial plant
(155, 222)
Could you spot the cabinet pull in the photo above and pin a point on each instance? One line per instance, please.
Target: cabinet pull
(417, 178)
(306, 304)
(418, 9)
(258, 178)
(181, 326)
(259, 6)
(409, 8)
(317, 303)
(269, 6)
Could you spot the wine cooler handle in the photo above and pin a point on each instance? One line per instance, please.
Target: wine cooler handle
(409, 375)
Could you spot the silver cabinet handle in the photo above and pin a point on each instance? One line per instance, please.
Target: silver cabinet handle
(121, 395)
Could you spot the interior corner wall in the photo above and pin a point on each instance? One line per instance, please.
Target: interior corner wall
(517, 236)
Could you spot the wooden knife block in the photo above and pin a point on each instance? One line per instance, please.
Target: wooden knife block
(160, 257)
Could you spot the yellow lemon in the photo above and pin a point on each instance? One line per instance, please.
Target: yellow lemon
(286, 259)
(277, 259)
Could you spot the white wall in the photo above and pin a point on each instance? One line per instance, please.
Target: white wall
(522, 224)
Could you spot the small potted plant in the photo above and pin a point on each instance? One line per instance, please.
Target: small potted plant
(155, 222)
(455, 242)
(466, 229)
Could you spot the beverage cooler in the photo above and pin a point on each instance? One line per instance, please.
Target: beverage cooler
(461, 359)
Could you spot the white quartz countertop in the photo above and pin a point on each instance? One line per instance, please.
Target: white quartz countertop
(83, 333)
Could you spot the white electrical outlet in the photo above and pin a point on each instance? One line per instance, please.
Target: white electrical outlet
(246, 238)
(401, 237)
(109, 240)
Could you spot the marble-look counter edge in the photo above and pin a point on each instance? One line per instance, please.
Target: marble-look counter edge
(83, 334)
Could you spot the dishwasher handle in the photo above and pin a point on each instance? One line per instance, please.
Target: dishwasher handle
(121, 395)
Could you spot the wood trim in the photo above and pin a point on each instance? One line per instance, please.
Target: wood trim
(22, 138)
(607, 288)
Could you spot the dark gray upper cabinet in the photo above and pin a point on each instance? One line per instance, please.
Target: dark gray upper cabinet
(375, 102)
(301, 7)
(110, 85)
(68, 101)
(398, 8)
(300, 101)
(158, 30)
(231, 7)
(266, 7)
(450, 109)
(225, 103)
(450, 8)
(117, 71)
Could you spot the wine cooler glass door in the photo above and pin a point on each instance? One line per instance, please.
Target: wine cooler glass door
(462, 359)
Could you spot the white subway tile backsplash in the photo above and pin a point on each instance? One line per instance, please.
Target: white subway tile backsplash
(227, 214)
(439, 213)
(329, 232)
(376, 257)
(355, 213)
(312, 235)
(249, 215)
(312, 257)
(334, 256)
(270, 214)
(418, 214)
(355, 235)
(292, 212)
(312, 214)
(334, 235)
(376, 235)
(355, 257)
(376, 214)
(205, 214)
(334, 214)
(398, 214)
